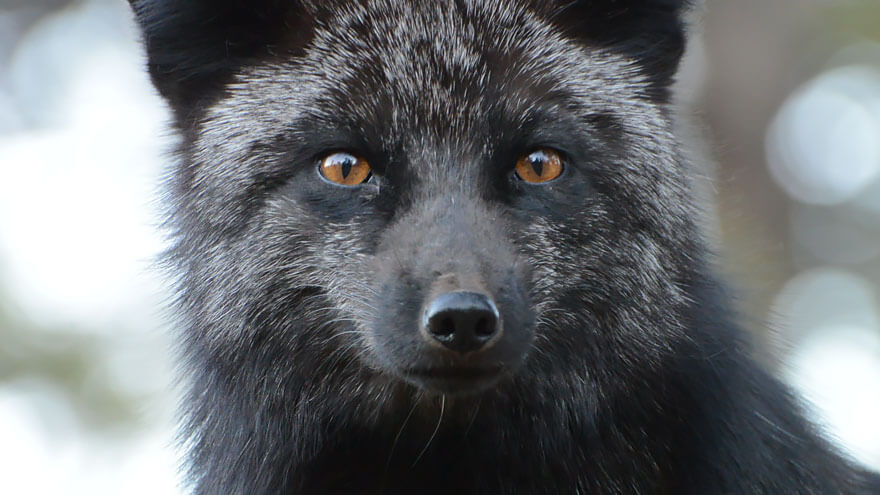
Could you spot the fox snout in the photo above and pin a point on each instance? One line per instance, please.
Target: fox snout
(455, 316)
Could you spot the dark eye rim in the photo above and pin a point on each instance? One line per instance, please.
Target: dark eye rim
(319, 160)
(563, 158)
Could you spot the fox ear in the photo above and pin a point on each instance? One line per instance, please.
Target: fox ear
(648, 31)
(195, 46)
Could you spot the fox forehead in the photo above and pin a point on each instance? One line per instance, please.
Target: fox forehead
(429, 65)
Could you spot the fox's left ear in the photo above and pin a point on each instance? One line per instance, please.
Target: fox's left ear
(195, 46)
(651, 32)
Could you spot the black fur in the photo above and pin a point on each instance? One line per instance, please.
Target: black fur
(195, 47)
(619, 368)
(651, 32)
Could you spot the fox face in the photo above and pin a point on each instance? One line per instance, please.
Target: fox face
(429, 195)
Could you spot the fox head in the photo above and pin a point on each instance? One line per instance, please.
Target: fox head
(381, 200)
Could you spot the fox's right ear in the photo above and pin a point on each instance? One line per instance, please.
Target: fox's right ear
(195, 46)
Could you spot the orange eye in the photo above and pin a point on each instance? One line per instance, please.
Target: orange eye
(345, 169)
(539, 166)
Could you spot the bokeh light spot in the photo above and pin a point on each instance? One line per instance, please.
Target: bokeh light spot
(830, 319)
(823, 147)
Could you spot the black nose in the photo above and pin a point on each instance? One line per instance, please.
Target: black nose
(462, 321)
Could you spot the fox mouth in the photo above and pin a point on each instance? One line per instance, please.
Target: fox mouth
(454, 380)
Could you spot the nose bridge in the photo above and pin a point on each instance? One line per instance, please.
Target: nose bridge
(447, 169)
(458, 234)
(452, 238)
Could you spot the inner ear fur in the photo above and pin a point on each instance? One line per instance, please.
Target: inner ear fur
(195, 46)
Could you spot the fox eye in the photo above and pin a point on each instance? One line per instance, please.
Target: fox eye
(344, 169)
(539, 166)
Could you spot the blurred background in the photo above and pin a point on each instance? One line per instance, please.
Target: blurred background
(784, 96)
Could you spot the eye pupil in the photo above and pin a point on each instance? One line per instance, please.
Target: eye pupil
(537, 163)
(346, 167)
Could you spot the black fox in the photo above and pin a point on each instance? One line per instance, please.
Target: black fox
(449, 246)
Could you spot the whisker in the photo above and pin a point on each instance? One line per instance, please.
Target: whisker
(436, 429)
(397, 437)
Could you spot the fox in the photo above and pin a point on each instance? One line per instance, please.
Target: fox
(453, 246)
